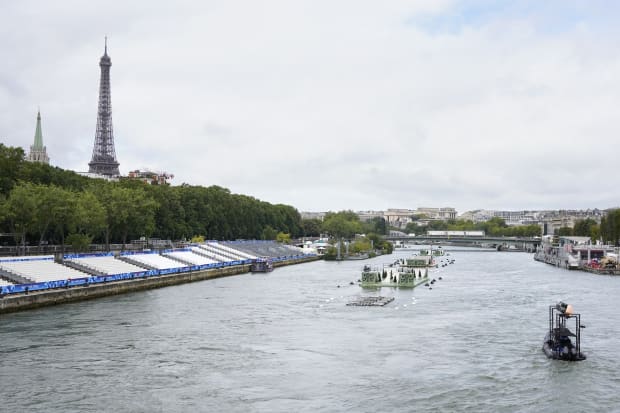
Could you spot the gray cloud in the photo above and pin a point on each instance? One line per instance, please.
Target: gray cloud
(329, 105)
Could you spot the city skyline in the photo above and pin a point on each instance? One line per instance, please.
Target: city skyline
(332, 106)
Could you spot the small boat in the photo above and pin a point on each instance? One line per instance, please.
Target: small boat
(261, 265)
(558, 343)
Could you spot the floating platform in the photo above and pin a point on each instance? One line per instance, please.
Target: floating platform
(371, 301)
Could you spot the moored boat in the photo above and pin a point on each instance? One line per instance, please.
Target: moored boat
(262, 265)
(574, 253)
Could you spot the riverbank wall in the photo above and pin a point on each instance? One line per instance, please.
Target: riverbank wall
(43, 298)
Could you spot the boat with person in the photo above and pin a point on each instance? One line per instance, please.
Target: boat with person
(558, 343)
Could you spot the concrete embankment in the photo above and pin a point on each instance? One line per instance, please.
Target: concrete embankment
(19, 302)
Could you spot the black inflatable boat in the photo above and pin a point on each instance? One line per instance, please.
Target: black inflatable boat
(560, 342)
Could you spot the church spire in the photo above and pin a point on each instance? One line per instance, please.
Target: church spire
(38, 152)
(38, 135)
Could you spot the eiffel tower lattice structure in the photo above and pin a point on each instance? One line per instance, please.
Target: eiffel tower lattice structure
(104, 160)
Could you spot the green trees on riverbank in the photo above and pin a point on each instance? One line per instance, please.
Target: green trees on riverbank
(610, 227)
(346, 225)
(493, 227)
(40, 203)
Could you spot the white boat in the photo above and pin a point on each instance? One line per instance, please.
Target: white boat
(571, 252)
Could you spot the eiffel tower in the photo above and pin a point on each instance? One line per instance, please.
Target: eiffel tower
(104, 160)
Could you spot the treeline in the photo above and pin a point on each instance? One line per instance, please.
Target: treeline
(494, 227)
(610, 227)
(608, 231)
(347, 225)
(40, 203)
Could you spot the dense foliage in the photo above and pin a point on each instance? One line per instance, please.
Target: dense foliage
(584, 228)
(610, 227)
(364, 236)
(41, 203)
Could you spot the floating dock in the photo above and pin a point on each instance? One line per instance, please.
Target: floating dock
(371, 301)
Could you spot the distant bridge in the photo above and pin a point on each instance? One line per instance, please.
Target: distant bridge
(519, 243)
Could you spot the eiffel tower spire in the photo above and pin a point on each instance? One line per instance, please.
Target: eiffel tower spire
(104, 160)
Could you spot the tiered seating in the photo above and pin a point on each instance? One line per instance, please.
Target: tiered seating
(157, 261)
(193, 258)
(107, 265)
(231, 251)
(41, 270)
(266, 248)
(4, 283)
(212, 253)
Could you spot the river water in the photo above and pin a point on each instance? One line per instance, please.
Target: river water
(286, 341)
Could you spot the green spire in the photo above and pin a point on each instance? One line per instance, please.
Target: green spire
(38, 136)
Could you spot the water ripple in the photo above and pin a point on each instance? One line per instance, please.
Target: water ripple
(286, 342)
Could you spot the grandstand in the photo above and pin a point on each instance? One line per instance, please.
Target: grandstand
(154, 260)
(190, 257)
(106, 265)
(269, 249)
(4, 282)
(230, 252)
(37, 269)
(211, 253)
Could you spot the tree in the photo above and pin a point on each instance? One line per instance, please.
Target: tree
(198, 239)
(63, 212)
(414, 228)
(377, 225)
(311, 227)
(565, 231)
(21, 211)
(11, 160)
(360, 245)
(610, 227)
(90, 215)
(283, 238)
(341, 225)
(44, 199)
(127, 211)
(269, 233)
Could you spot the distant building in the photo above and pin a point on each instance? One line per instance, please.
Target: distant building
(38, 152)
(437, 213)
(312, 215)
(550, 221)
(366, 216)
(398, 218)
(91, 175)
(150, 177)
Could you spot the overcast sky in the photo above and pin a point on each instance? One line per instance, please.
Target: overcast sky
(330, 105)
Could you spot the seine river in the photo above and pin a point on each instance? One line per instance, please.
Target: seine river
(286, 342)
